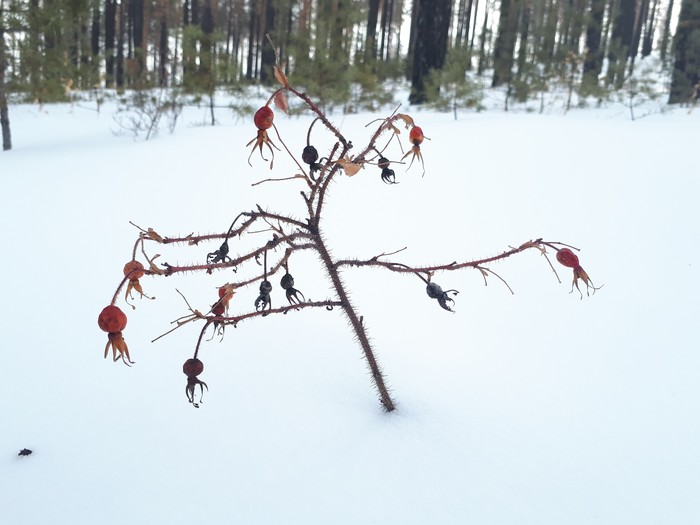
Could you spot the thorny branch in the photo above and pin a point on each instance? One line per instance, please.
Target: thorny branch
(428, 270)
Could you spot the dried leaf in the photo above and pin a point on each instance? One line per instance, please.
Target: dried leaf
(151, 233)
(153, 267)
(280, 76)
(350, 168)
(407, 120)
(281, 102)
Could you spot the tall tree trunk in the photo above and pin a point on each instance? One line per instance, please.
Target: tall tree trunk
(163, 51)
(194, 14)
(481, 67)
(267, 54)
(136, 18)
(206, 48)
(649, 29)
(4, 112)
(621, 42)
(432, 24)
(95, 31)
(593, 61)
(524, 35)
(386, 24)
(505, 42)
(473, 31)
(464, 14)
(110, 35)
(640, 15)
(548, 34)
(253, 25)
(666, 34)
(686, 67)
(371, 34)
(121, 38)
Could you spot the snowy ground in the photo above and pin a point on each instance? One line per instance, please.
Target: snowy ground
(533, 408)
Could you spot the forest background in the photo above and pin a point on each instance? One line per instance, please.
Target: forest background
(348, 54)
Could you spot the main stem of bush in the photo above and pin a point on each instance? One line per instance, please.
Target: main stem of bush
(356, 324)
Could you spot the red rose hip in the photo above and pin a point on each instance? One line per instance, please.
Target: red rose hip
(567, 258)
(416, 135)
(263, 118)
(193, 367)
(134, 270)
(112, 319)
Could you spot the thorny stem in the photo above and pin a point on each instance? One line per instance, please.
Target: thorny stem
(123, 282)
(170, 270)
(324, 188)
(201, 336)
(136, 245)
(119, 289)
(321, 116)
(402, 268)
(234, 320)
(356, 324)
(321, 187)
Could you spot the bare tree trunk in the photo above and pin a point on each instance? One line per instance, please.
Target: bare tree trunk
(666, 34)
(267, 54)
(649, 29)
(163, 51)
(370, 53)
(482, 44)
(432, 24)
(110, 35)
(505, 42)
(4, 113)
(593, 61)
(620, 48)
(686, 68)
(121, 32)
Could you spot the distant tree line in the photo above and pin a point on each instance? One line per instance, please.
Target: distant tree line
(50, 47)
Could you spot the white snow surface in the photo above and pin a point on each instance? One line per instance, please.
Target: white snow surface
(533, 408)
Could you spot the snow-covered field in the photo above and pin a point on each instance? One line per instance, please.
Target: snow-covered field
(533, 408)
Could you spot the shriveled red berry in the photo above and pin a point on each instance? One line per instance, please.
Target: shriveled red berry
(112, 319)
(263, 118)
(193, 367)
(134, 270)
(218, 309)
(416, 135)
(567, 258)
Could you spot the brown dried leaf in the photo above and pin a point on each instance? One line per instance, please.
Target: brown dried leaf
(531, 244)
(350, 167)
(153, 267)
(407, 120)
(151, 234)
(281, 102)
(280, 76)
